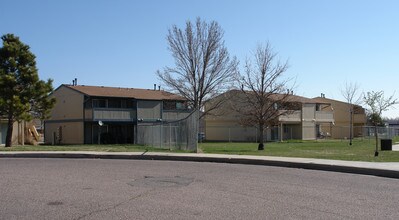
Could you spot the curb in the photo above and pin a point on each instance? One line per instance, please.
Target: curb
(232, 160)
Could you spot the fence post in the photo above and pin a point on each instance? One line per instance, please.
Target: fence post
(229, 135)
(170, 136)
(160, 138)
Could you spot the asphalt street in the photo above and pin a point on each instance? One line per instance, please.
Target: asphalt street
(134, 189)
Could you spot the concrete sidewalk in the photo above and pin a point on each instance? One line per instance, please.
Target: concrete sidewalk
(383, 169)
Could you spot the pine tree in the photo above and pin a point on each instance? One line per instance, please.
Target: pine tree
(22, 94)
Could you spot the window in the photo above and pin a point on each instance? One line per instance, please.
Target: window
(180, 106)
(174, 105)
(169, 105)
(99, 103)
(114, 103)
(131, 103)
(123, 103)
(275, 106)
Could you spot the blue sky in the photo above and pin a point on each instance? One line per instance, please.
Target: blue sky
(123, 43)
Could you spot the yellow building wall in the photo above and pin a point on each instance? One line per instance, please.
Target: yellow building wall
(308, 122)
(67, 114)
(65, 133)
(69, 104)
(229, 131)
(223, 124)
(341, 127)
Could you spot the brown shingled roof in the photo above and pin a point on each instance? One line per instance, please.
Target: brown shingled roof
(146, 94)
(291, 98)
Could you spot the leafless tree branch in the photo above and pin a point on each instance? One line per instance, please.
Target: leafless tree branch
(203, 68)
(263, 90)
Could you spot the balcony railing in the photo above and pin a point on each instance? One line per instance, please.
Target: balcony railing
(324, 116)
(296, 116)
(290, 116)
(106, 114)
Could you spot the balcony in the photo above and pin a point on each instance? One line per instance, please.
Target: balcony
(294, 116)
(108, 114)
(324, 116)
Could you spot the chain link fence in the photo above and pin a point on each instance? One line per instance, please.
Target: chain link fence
(177, 135)
(295, 132)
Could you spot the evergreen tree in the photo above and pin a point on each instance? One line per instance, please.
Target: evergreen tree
(22, 94)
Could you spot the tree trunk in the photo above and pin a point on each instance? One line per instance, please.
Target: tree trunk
(9, 132)
(261, 146)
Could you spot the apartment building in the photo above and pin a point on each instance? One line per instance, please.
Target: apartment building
(112, 115)
(342, 117)
(304, 122)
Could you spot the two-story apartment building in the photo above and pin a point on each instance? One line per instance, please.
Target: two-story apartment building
(342, 118)
(98, 114)
(305, 122)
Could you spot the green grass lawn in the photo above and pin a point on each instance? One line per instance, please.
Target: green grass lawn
(102, 148)
(361, 150)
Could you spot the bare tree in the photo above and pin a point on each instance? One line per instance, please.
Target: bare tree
(351, 94)
(203, 68)
(263, 91)
(378, 104)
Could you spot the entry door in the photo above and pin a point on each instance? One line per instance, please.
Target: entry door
(3, 133)
(318, 130)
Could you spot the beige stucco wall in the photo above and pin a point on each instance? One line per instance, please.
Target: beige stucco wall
(341, 111)
(308, 122)
(300, 125)
(149, 109)
(69, 104)
(72, 132)
(223, 123)
(229, 131)
(68, 114)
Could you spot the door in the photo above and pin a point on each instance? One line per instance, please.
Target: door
(3, 133)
